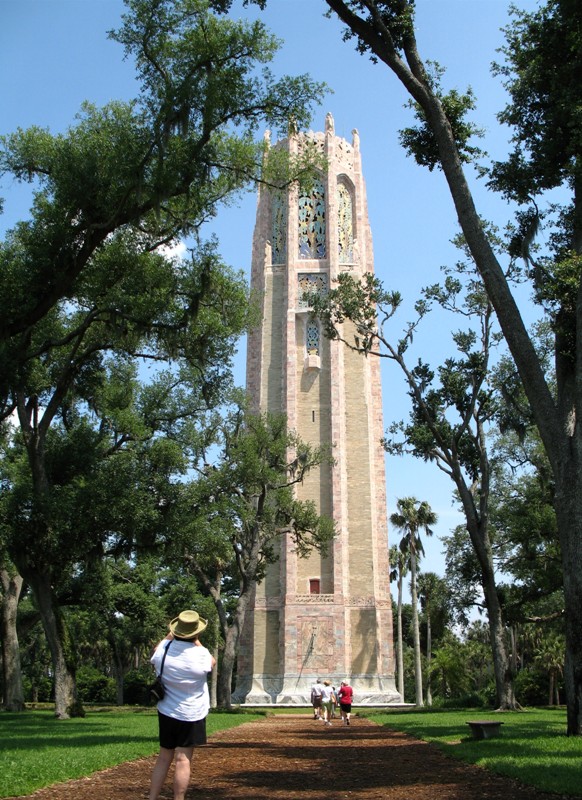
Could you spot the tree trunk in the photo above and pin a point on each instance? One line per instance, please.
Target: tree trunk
(501, 662)
(118, 672)
(504, 691)
(554, 421)
(428, 660)
(224, 687)
(400, 648)
(419, 700)
(66, 704)
(231, 635)
(213, 685)
(478, 529)
(13, 694)
(568, 503)
(214, 680)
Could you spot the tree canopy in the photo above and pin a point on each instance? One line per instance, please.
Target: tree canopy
(540, 75)
(113, 349)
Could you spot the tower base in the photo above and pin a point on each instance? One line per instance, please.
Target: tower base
(272, 690)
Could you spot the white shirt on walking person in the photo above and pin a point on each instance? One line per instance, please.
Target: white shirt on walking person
(326, 693)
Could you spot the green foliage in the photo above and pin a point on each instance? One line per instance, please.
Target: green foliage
(420, 141)
(463, 576)
(543, 113)
(135, 686)
(394, 16)
(37, 689)
(94, 687)
(435, 604)
(241, 504)
(90, 296)
(412, 517)
(232, 515)
(544, 117)
(156, 167)
(448, 670)
(531, 686)
(468, 700)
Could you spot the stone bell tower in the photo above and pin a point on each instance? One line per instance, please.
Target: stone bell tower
(323, 616)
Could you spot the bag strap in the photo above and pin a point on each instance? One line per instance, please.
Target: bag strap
(166, 648)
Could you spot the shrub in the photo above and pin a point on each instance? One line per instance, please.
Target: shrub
(41, 691)
(531, 687)
(95, 687)
(135, 686)
(468, 700)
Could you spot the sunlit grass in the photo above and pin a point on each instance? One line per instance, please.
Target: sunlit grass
(38, 750)
(532, 748)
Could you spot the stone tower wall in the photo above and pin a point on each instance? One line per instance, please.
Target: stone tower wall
(330, 395)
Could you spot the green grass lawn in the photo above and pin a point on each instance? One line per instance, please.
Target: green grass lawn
(533, 746)
(38, 750)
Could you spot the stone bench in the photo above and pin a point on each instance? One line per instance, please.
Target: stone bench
(485, 728)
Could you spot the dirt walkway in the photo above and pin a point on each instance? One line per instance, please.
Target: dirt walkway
(297, 757)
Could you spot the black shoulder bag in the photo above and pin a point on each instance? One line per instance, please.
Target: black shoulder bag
(157, 690)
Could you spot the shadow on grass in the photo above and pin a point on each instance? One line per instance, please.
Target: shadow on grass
(40, 730)
(532, 747)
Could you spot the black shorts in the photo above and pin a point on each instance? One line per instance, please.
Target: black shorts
(316, 702)
(346, 707)
(178, 733)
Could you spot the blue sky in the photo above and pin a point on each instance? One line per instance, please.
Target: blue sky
(54, 54)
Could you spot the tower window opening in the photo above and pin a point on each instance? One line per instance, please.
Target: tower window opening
(312, 222)
(311, 283)
(278, 228)
(345, 222)
(312, 338)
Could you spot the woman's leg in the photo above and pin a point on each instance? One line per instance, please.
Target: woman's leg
(182, 771)
(327, 713)
(160, 772)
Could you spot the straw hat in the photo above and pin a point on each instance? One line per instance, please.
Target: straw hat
(187, 625)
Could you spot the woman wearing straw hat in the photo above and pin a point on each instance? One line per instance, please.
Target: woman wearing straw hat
(183, 709)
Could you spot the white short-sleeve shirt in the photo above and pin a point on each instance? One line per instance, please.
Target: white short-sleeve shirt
(326, 693)
(185, 678)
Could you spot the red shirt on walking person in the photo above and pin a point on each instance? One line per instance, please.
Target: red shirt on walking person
(345, 696)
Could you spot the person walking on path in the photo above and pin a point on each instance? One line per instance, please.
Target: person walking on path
(327, 697)
(184, 707)
(345, 697)
(316, 698)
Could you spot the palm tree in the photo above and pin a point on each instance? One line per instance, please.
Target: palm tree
(550, 656)
(412, 517)
(399, 570)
